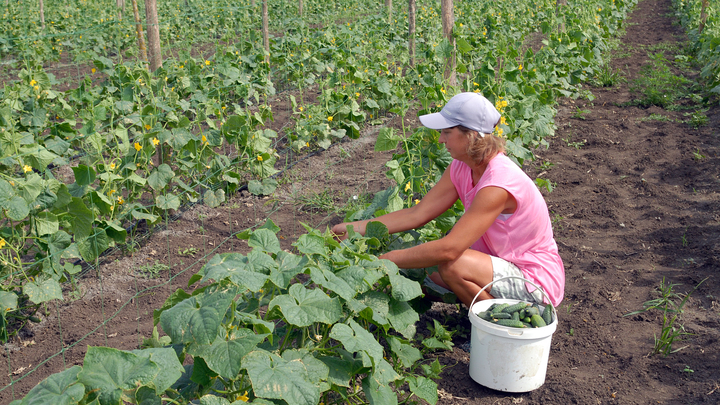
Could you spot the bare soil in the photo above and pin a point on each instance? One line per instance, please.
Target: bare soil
(636, 202)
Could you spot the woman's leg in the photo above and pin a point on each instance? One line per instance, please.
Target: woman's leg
(466, 275)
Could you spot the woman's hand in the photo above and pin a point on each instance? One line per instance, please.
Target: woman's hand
(340, 230)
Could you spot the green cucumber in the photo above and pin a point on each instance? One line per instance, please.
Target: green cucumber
(515, 316)
(501, 315)
(486, 315)
(498, 308)
(511, 323)
(515, 307)
(547, 314)
(527, 319)
(532, 311)
(537, 321)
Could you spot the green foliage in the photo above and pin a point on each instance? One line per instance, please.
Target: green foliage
(670, 304)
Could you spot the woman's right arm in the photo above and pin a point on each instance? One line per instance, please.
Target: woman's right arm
(438, 200)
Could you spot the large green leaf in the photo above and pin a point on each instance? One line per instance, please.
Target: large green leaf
(17, 208)
(406, 353)
(355, 338)
(264, 239)
(403, 318)
(376, 385)
(168, 201)
(213, 199)
(328, 279)
(94, 245)
(44, 291)
(276, 378)
(404, 289)
(424, 388)
(311, 244)
(167, 360)
(84, 175)
(224, 356)
(235, 267)
(303, 307)
(197, 319)
(289, 265)
(81, 218)
(8, 301)
(61, 388)
(376, 302)
(46, 224)
(160, 177)
(386, 140)
(112, 371)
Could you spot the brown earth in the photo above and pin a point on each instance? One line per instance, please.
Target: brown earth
(636, 202)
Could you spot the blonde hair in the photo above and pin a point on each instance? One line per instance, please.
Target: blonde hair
(482, 148)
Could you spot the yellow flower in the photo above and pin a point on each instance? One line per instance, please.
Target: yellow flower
(137, 147)
(259, 158)
(147, 127)
(330, 118)
(93, 70)
(307, 144)
(502, 121)
(500, 131)
(112, 166)
(204, 139)
(520, 67)
(111, 192)
(417, 202)
(2, 243)
(120, 200)
(33, 82)
(27, 168)
(156, 141)
(408, 186)
(243, 397)
(357, 94)
(207, 62)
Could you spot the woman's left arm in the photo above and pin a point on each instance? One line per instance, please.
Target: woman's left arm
(489, 202)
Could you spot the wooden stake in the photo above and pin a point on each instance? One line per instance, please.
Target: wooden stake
(42, 13)
(703, 17)
(388, 6)
(448, 19)
(266, 31)
(153, 34)
(412, 9)
(139, 32)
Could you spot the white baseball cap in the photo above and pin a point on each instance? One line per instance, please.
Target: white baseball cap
(470, 110)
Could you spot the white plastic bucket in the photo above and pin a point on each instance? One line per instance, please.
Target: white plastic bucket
(505, 358)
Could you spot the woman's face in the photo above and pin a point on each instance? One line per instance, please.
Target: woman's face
(455, 141)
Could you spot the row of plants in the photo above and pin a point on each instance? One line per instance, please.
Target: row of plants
(142, 145)
(85, 30)
(331, 324)
(145, 144)
(701, 20)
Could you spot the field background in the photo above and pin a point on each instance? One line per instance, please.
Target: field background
(635, 201)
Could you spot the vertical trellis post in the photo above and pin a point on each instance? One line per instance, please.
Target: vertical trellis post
(42, 13)
(139, 32)
(153, 34)
(266, 31)
(300, 8)
(703, 16)
(412, 9)
(388, 6)
(448, 19)
(121, 8)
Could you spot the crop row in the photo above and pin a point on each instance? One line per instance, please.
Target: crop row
(141, 145)
(701, 20)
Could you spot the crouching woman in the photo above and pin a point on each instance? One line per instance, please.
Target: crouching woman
(506, 228)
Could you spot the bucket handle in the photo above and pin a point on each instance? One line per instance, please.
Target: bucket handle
(502, 279)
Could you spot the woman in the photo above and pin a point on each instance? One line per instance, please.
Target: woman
(506, 228)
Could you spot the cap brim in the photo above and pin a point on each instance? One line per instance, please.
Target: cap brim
(436, 121)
